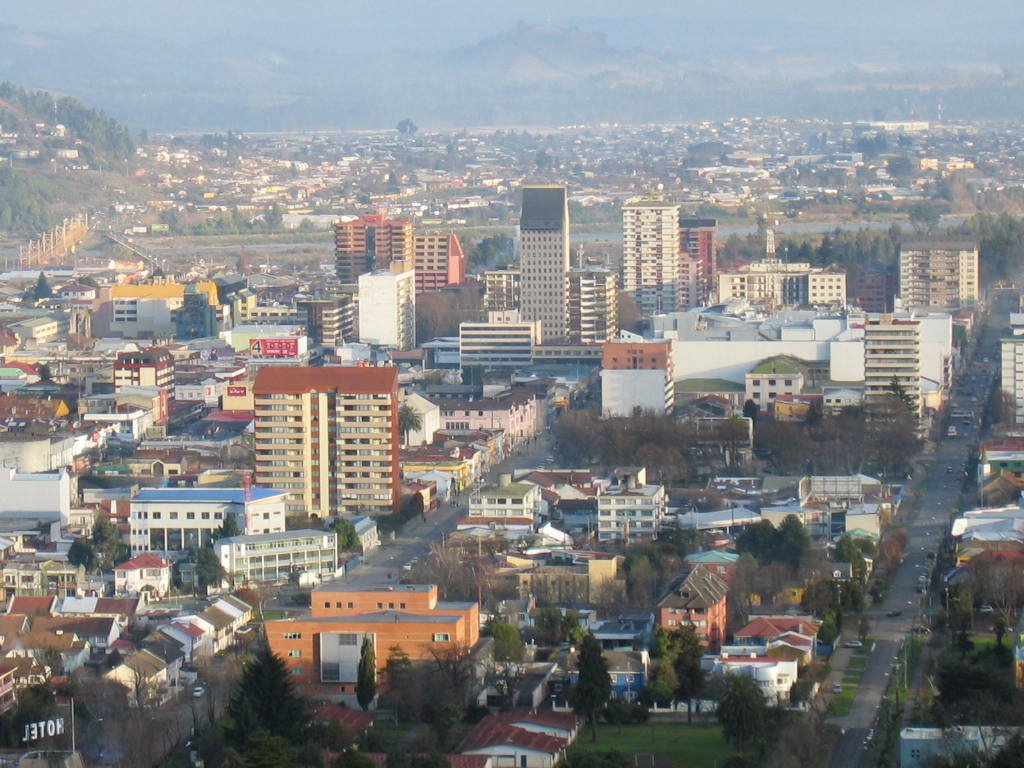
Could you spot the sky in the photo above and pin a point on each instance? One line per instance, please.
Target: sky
(443, 24)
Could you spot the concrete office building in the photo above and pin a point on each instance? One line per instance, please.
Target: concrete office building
(307, 555)
(329, 437)
(544, 259)
(176, 519)
(637, 375)
(504, 341)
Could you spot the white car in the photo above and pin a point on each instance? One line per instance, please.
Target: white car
(853, 644)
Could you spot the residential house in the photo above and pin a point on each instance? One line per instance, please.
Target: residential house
(144, 675)
(774, 677)
(147, 575)
(509, 743)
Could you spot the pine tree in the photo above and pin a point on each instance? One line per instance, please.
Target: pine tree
(366, 683)
(594, 685)
(265, 699)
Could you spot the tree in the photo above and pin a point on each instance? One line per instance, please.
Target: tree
(594, 685)
(366, 684)
(265, 699)
(741, 711)
(352, 758)
(794, 543)
(508, 640)
(209, 571)
(347, 536)
(689, 675)
(751, 410)
(662, 684)
(42, 289)
(409, 420)
(82, 553)
(229, 528)
(406, 127)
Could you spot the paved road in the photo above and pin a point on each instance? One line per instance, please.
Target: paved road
(386, 564)
(933, 495)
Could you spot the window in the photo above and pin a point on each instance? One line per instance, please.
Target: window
(295, 654)
(292, 635)
(441, 637)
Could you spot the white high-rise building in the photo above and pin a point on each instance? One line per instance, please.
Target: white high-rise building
(1012, 366)
(387, 309)
(544, 259)
(650, 254)
(892, 356)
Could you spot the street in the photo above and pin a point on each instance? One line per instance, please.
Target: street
(933, 494)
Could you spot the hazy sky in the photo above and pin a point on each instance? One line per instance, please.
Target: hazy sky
(443, 24)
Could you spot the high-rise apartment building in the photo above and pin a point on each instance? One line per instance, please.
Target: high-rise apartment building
(698, 268)
(938, 275)
(650, 254)
(1012, 366)
(544, 258)
(592, 309)
(387, 308)
(329, 437)
(439, 261)
(892, 357)
(369, 243)
(502, 290)
(329, 322)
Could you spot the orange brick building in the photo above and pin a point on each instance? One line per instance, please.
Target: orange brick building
(323, 651)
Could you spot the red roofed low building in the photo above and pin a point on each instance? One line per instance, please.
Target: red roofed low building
(147, 575)
(32, 606)
(761, 630)
(519, 739)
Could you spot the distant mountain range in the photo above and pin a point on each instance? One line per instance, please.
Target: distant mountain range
(529, 75)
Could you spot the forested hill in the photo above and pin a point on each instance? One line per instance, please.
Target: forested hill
(96, 136)
(50, 149)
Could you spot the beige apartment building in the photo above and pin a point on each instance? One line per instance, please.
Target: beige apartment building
(650, 254)
(938, 275)
(329, 437)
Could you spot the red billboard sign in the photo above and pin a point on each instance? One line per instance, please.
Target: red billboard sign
(286, 347)
(238, 391)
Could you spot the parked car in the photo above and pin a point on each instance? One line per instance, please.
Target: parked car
(986, 609)
(893, 613)
(198, 690)
(853, 644)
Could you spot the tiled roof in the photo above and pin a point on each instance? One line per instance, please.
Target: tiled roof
(143, 561)
(699, 589)
(224, 495)
(491, 732)
(33, 606)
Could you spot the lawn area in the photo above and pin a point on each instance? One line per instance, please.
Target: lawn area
(851, 681)
(672, 743)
